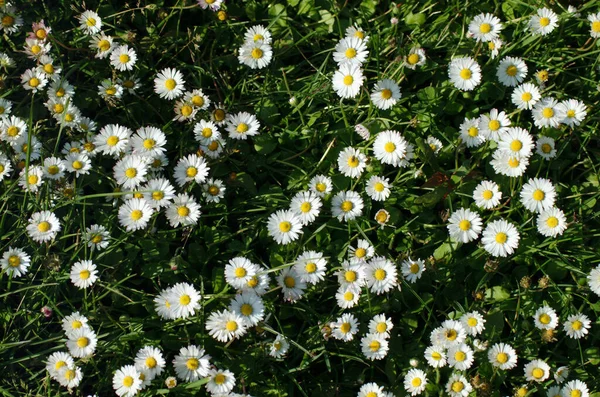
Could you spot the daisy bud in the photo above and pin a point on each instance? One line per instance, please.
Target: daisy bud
(46, 311)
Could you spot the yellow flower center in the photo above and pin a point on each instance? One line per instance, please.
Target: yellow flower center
(321, 187)
(256, 53)
(128, 381)
(231, 326)
(544, 21)
(381, 327)
(35, 49)
(494, 125)
(350, 53)
(487, 194)
(183, 211)
(112, 140)
(49, 68)
(350, 276)
(219, 114)
(512, 70)
(59, 365)
(359, 34)
(548, 113)
(191, 172)
(83, 342)
(379, 274)
(537, 373)
(570, 113)
(157, 195)
(97, 239)
(501, 357)
(110, 91)
(186, 110)
(491, 45)
(346, 206)
(213, 146)
(246, 309)
(577, 325)
(552, 222)
(389, 147)
(473, 132)
(207, 132)
(60, 92)
(596, 26)
(374, 346)
(457, 386)
(34, 82)
(253, 282)
(538, 195)
(192, 364)
(485, 28)
(460, 356)
(381, 216)
(184, 300)
(305, 207)
(526, 97)
(465, 74)
(44, 226)
(131, 172)
(104, 45)
(84, 274)
(310, 267)
(348, 296)
(379, 187)
(575, 393)
(544, 318)
(12, 131)
(501, 237)
(416, 382)
(70, 374)
(413, 59)
(464, 225)
(289, 282)
(436, 356)
(285, 226)
(58, 108)
(123, 58)
(348, 80)
(136, 215)
(258, 37)
(472, 322)
(69, 117)
(90, 22)
(414, 268)
(14, 260)
(77, 165)
(522, 392)
(8, 20)
(40, 34)
(513, 162)
(170, 84)
(353, 161)
(386, 93)
(213, 190)
(360, 252)
(371, 394)
(53, 169)
(219, 379)
(451, 334)
(345, 328)
(240, 272)
(242, 128)
(128, 84)
(149, 143)
(516, 145)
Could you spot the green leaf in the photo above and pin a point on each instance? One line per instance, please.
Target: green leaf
(497, 294)
(415, 19)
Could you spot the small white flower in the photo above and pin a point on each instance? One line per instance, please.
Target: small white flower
(83, 274)
(464, 73)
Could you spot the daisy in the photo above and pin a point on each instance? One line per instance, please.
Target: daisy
(351, 162)
(123, 58)
(134, 214)
(347, 297)
(575, 388)
(310, 267)
(220, 382)
(412, 270)
(348, 80)
(191, 363)
(538, 194)
(102, 44)
(249, 306)
(511, 71)
(381, 325)
(374, 347)
(213, 190)
(594, 25)
(184, 111)
(190, 168)
(60, 88)
(149, 360)
(5, 166)
(345, 327)
(12, 128)
(183, 210)
(259, 284)
(291, 285)
(242, 125)
(500, 238)
(163, 306)
(545, 147)
(5, 107)
(464, 73)
(470, 134)
(206, 132)
(158, 192)
(574, 111)
(58, 360)
(131, 84)
(381, 275)
(169, 83)
(464, 225)
(487, 195)
(537, 371)
(485, 27)
(218, 114)
(225, 325)
(321, 185)
(544, 22)
(548, 113)
(31, 179)
(126, 381)
(525, 96)
(577, 325)
(28, 146)
(356, 31)
(73, 322)
(458, 386)
(256, 55)
(378, 188)
(306, 205)
(90, 22)
(148, 142)
(33, 80)
(351, 51)
(78, 163)
(82, 342)
(390, 147)
(43, 226)
(554, 391)
(239, 271)
(494, 47)
(46, 66)
(83, 274)
(214, 5)
(112, 139)
(69, 377)
(257, 33)
(545, 318)
(352, 274)
(415, 382)
(415, 57)
(362, 252)
(460, 357)
(371, 390)
(284, 226)
(473, 323)
(130, 172)
(214, 149)
(517, 142)
(551, 222)
(347, 205)
(594, 280)
(505, 163)
(15, 262)
(502, 356)
(279, 347)
(184, 300)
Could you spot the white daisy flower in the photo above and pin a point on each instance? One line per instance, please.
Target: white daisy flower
(362, 252)
(485, 27)
(249, 306)
(416, 57)
(412, 270)
(436, 356)
(525, 96)
(385, 94)
(258, 284)
(306, 205)
(434, 143)
(184, 300)
(58, 360)
(537, 371)
(460, 357)
(73, 322)
(511, 71)
(381, 325)
(574, 110)
(551, 222)
(348, 80)
(507, 164)
(352, 275)
(371, 390)
(464, 225)
(15, 262)
(149, 361)
(5, 107)
(458, 386)
(470, 134)
(256, 55)
(184, 210)
(310, 267)
(347, 297)
(473, 323)
(374, 346)
(464, 73)
(284, 226)
(487, 195)
(184, 111)
(134, 214)
(517, 142)
(502, 356)
(350, 51)
(538, 194)
(214, 149)
(36, 49)
(279, 347)
(82, 342)
(577, 325)
(206, 132)
(130, 172)
(594, 25)
(544, 22)
(351, 162)
(90, 22)
(123, 58)
(240, 271)
(83, 274)
(494, 47)
(126, 381)
(378, 188)
(27, 147)
(548, 113)
(60, 88)
(225, 325)
(390, 147)
(356, 31)
(69, 377)
(31, 179)
(97, 237)
(12, 129)
(257, 33)
(33, 80)
(48, 67)
(158, 192)
(148, 142)
(545, 318)
(191, 363)
(213, 190)
(129, 84)
(220, 382)
(321, 185)
(415, 382)
(169, 83)
(242, 125)
(43, 226)
(575, 388)
(214, 5)
(291, 285)
(163, 306)
(500, 238)
(450, 333)
(5, 166)
(112, 139)
(78, 163)
(11, 21)
(102, 44)
(545, 147)
(190, 168)
(347, 205)
(381, 275)
(345, 327)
